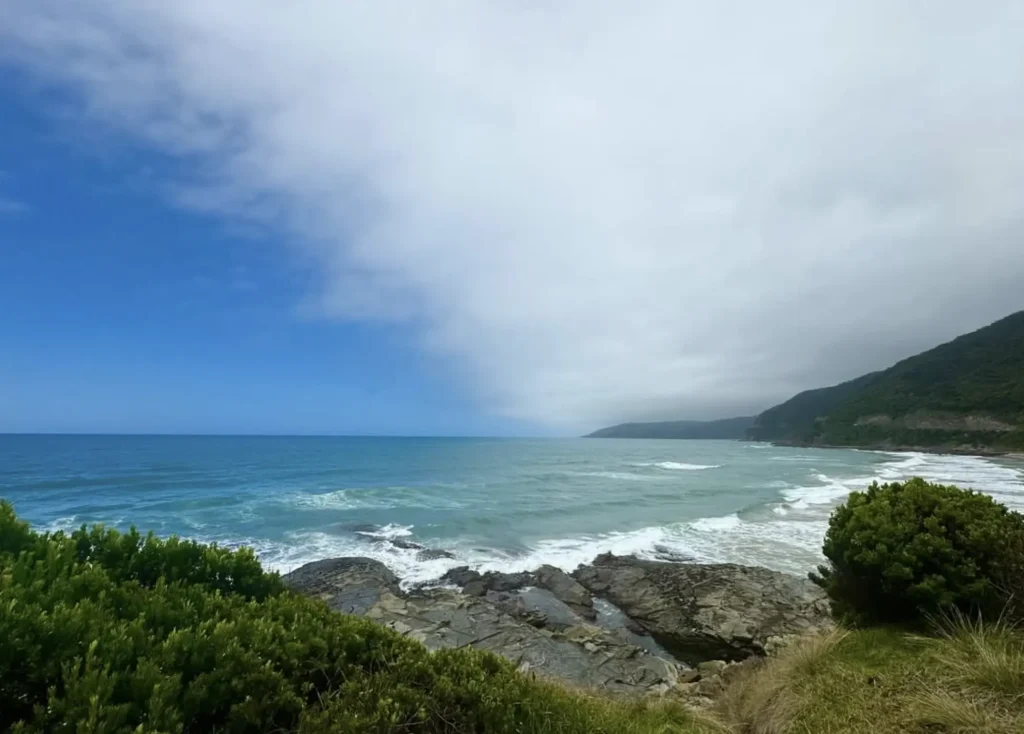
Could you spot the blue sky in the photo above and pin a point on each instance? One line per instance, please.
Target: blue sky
(122, 313)
(531, 218)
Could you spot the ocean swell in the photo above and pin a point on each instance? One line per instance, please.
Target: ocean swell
(785, 535)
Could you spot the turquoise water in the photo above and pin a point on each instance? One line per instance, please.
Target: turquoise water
(495, 504)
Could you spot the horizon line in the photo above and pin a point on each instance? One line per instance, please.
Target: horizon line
(268, 435)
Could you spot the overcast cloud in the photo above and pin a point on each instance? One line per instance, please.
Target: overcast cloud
(594, 211)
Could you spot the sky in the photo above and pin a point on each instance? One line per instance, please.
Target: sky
(492, 218)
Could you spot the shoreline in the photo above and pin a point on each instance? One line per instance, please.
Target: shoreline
(980, 452)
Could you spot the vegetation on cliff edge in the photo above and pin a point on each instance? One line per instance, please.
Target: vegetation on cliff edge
(964, 678)
(908, 552)
(102, 632)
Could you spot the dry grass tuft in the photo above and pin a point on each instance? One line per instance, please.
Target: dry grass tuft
(767, 698)
(982, 667)
(988, 657)
(957, 714)
(969, 678)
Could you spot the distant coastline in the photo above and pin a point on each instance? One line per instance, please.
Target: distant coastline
(964, 397)
(723, 429)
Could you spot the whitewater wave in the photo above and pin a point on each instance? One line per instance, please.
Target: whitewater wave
(372, 498)
(1004, 483)
(785, 535)
(792, 547)
(340, 499)
(829, 491)
(728, 522)
(974, 472)
(387, 532)
(66, 524)
(681, 466)
(299, 548)
(617, 475)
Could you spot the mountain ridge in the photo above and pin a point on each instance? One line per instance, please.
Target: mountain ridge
(963, 396)
(966, 394)
(724, 428)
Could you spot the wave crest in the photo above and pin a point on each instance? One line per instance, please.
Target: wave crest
(680, 465)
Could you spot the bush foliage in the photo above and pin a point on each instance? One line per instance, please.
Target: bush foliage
(903, 552)
(103, 632)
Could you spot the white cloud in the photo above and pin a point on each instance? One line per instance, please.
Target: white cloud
(597, 211)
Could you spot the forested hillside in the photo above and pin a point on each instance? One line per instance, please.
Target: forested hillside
(967, 392)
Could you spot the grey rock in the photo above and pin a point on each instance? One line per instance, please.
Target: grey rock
(405, 544)
(474, 583)
(350, 585)
(476, 587)
(566, 589)
(690, 675)
(494, 581)
(581, 654)
(664, 553)
(432, 554)
(478, 584)
(708, 612)
(561, 585)
(460, 576)
(556, 613)
(710, 687)
(519, 606)
(610, 617)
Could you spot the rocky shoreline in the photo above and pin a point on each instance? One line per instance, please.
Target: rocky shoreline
(619, 625)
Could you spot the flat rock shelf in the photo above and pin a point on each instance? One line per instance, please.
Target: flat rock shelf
(620, 625)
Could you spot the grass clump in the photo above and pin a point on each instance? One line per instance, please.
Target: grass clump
(104, 633)
(762, 699)
(967, 678)
(983, 667)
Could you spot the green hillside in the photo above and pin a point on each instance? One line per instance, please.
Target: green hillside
(967, 393)
(796, 418)
(734, 428)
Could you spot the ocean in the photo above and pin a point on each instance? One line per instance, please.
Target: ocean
(494, 504)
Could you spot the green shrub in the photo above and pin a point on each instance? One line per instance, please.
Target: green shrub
(102, 632)
(902, 552)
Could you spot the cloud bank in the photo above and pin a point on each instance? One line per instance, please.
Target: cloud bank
(593, 211)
